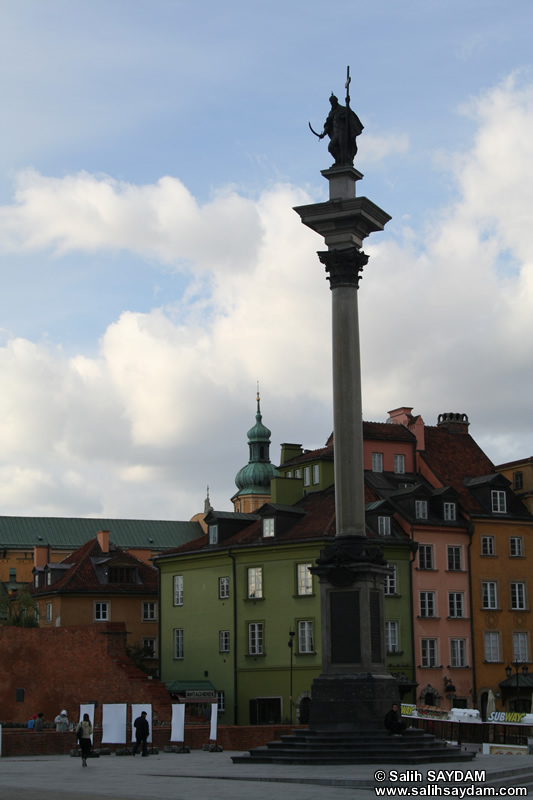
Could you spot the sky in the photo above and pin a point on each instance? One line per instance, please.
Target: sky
(153, 271)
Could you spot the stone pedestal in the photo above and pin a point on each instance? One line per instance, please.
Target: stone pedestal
(351, 702)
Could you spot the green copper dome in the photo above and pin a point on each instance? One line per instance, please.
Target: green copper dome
(255, 477)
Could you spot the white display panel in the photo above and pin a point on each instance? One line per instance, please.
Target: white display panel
(114, 723)
(177, 730)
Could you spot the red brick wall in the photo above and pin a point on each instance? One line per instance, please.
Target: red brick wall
(63, 667)
(230, 737)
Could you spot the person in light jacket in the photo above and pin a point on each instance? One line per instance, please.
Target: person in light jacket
(84, 733)
(61, 721)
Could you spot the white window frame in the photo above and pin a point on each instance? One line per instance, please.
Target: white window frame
(255, 638)
(149, 612)
(377, 462)
(454, 555)
(489, 595)
(305, 579)
(391, 581)
(178, 590)
(425, 561)
(151, 647)
(428, 648)
(307, 476)
(221, 701)
(305, 636)
(213, 534)
(487, 546)
(491, 642)
(518, 596)
(316, 474)
(458, 652)
(178, 644)
(520, 647)
(255, 583)
(223, 588)
(516, 547)
(498, 501)
(392, 636)
(223, 642)
(456, 605)
(427, 604)
(297, 473)
(48, 578)
(101, 612)
(421, 509)
(450, 512)
(269, 527)
(384, 526)
(399, 464)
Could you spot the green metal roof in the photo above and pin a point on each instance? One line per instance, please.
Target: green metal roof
(71, 533)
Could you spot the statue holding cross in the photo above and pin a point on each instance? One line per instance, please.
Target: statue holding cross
(342, 126)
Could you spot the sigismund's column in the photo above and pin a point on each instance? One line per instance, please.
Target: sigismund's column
(354, 689)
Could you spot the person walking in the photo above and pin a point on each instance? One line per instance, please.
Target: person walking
(84, 733)
(142, 731)
(39, 722)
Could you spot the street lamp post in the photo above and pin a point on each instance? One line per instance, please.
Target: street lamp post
(509, 672)
(290, 643)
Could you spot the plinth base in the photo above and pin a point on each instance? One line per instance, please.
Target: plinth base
(350, 702)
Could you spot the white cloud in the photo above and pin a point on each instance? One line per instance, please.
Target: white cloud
(163, 409)
(378, 148)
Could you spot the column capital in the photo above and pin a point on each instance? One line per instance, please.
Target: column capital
(344, 266)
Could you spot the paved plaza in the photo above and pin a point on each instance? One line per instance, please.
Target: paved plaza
(213, 776)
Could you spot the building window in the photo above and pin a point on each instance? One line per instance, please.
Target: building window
(316, 474)
(456, 604)
(36, 580)
(101, 612)
(149, 648)
(454, 558)
(421, 509)
(458, 652)
(117, 575)
(297, 473)
(255, 582)
(518, 480)
(520, 648)
(499, 505)
(288, 474)
(399, 464)
(305, 636)
(427, 604)
(178, 642)
(487, 545)
(305, 579)
(450, 512)
(516, 546)
(489, 594)
(223, 588)
(49, 612)
(149, 612)
(307, 476)
(518, 596)
(391, 636)
(268, 527)
(391, 586)
(377, 462)
(223, 641)
(221, 701)
(429, 652)
(384, 526)
(178, 590)
(48, 578)
(425, 556)
(492, 646)
(213, 534)
(255, 638)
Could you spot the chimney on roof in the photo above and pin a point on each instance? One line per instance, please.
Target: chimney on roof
(40, 555)
(453, 423)
(289, 451)
(103, 541)
(401, 416)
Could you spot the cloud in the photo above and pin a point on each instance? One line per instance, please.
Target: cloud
(163, 408)
(378, 148)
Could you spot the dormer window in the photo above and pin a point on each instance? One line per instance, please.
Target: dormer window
(450, 512)
(307, 476)
(268, 527)
(316, 474)
(421, 509)
(384, 526)
(499, 502)
(213, 534)
(36, 580)
(48, 578)
(121, 575)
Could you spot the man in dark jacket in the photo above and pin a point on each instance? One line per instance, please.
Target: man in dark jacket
(142, 731)
(392, 721)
